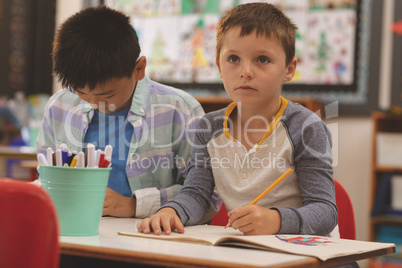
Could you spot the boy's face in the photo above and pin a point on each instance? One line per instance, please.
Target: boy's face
(116, 94)
(253, 68)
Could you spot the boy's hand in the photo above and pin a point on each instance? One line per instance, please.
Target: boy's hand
(165, 218)
(255, 220)
(118, 205)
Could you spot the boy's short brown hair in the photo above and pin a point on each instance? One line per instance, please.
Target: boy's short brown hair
(266, 19)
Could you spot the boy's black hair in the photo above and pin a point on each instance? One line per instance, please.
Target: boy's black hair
(94, 46)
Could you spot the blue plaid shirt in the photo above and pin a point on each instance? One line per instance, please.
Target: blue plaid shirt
(164, 121)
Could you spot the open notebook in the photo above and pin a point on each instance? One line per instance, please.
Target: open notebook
(323, 248)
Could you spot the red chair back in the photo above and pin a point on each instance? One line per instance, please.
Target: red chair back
(28, 226)
(346, 218)
(221, 218)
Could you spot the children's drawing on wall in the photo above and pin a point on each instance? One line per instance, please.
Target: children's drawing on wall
(200, 6)
(299, 16)
(147, 8)
(158, 60)
(199, 60)
(159, 44)
(178, 38)
(330, 46)
(333, 4)
(198, 41)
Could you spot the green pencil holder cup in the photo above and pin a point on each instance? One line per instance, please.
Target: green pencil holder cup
(78, 195)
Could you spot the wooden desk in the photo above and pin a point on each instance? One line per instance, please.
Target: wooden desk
(24, 152)
(19, 153)
(31, 165)
(108, 245)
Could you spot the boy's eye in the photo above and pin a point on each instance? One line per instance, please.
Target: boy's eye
(78, 92)
(110, 96)
(233, 59)
(263, 59)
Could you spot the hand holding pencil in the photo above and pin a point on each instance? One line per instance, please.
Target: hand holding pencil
(258, 198)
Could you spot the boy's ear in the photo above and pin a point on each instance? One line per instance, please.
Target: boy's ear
(290, 71)
(139, 69)
(219, 66)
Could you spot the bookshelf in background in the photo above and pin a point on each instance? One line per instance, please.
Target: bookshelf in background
(385, 224)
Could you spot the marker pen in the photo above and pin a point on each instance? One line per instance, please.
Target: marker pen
(74, 161)
(63, 147)
(42, 160)
(97, 156)
(64, 156)
(91, 155)
(80, 159)
(107, 162)
(108, 151)
(59, 160)
(70, 157)
(49, 156)
(101, 160)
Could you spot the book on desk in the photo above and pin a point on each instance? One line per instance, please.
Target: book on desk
(323, 248)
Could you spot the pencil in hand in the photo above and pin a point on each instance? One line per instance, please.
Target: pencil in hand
(258, 198)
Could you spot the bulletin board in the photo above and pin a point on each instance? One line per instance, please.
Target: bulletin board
(332, 44)
(26, 34)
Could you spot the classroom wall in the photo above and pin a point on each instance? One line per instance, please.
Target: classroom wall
(354, 164)
(352, 141)
(352, 135)
(64, 9)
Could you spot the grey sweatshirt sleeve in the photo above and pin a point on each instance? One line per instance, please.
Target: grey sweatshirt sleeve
(313, 165)
(194, 198)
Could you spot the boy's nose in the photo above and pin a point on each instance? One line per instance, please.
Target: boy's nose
(93, 101)
(96, 103)
(246, 71)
